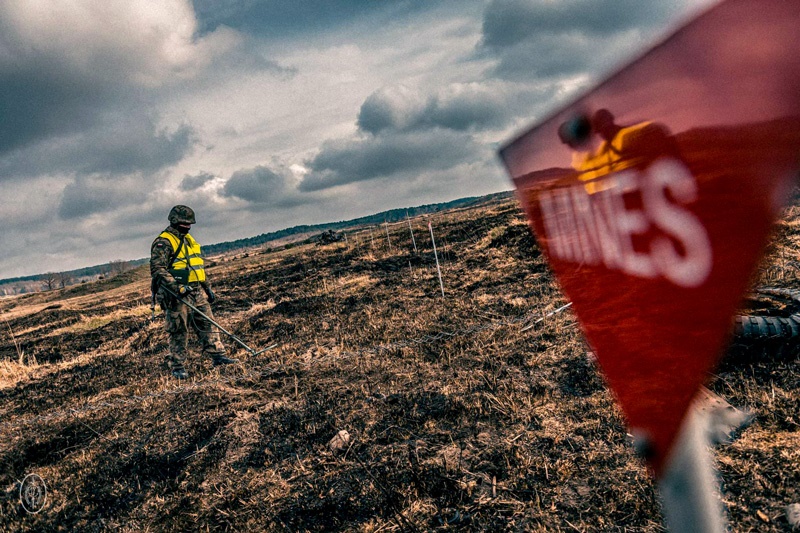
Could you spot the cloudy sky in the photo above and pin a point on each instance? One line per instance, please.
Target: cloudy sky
(264, 114)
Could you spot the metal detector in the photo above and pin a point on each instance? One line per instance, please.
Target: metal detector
(223, 330)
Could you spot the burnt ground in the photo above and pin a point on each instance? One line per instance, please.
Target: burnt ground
(459, 421)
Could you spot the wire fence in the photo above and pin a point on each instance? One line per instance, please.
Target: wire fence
(528, 320)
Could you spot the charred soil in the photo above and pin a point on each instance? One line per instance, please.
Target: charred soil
(458, 420)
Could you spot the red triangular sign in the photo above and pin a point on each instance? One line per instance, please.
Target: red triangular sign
(654, 194)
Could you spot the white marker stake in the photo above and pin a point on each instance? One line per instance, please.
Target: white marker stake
(689, 486)
(413, 240)
(386, 224)
(438, 270)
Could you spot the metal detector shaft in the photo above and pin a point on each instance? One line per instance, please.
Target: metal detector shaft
(223, 330)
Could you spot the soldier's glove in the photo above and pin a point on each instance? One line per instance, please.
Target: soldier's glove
(211, 296)
(183, 290)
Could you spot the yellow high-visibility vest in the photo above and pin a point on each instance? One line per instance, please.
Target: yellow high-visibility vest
(608, 158)
(188, 264)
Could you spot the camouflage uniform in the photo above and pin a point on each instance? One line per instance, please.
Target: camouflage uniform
(180, 317)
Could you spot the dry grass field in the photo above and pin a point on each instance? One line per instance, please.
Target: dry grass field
(459, 420)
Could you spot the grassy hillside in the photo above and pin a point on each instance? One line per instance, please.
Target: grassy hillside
(38, 282)
(459, 420)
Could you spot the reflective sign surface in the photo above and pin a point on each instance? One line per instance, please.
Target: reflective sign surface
(653, 197)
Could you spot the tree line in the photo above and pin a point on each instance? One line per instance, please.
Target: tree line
(59, 280)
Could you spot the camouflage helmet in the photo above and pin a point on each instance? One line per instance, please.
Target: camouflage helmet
(181, 214)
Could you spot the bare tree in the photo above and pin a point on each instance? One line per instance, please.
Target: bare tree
(118, 266)
(49, 281)
(63, 279)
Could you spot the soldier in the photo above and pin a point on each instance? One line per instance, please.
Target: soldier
(177, 271)
(620, 147)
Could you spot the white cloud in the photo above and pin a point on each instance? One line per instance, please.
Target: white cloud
(136, 41)
(263, 115)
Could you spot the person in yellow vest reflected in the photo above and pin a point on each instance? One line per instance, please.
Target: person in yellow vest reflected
(620, 147)
(176, 267)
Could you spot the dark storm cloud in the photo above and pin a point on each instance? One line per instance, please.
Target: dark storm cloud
(290, 18)
(75, 94)
(547, 55)
(191, 183)
(472, 109)
(119, 143)
(392, 108)
(378, 156)
(98, 194)
(50, 91)
(132, 144)
(540, 38)
(405, 132)
(38, 100)
(460, 108)
(508, 22)
(262, 186)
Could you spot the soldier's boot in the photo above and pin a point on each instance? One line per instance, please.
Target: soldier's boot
(222, 360)
(175, 363)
